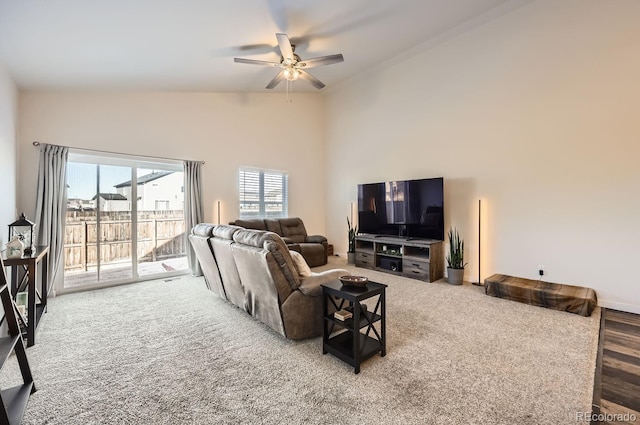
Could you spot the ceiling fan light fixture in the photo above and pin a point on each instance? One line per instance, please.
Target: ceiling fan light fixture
(291, 74)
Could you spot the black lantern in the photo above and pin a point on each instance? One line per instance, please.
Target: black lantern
(23, 229)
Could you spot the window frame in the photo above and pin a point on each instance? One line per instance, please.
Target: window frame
(263, 185)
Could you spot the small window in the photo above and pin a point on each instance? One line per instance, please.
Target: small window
(263, 193)
(161, 205)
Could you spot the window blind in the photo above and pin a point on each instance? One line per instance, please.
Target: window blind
(263, 193)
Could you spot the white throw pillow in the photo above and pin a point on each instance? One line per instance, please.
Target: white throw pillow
(298, 260)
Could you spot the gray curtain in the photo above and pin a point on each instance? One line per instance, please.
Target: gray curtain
(51, 202)
(193, 209)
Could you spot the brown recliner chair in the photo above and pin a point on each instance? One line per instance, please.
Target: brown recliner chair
(313, 248)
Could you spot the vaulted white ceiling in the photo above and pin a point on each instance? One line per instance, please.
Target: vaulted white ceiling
(190, 44)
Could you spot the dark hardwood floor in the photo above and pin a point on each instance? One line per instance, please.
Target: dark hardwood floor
(617, 380)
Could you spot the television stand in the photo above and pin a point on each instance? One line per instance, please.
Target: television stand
(416, 258)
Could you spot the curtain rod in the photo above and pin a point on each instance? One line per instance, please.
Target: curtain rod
(36, 143)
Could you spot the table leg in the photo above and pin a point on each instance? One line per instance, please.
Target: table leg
(14, 281)
(356, 336)
(383, 321)
(31, 313)
(325, 324)
(45, 281)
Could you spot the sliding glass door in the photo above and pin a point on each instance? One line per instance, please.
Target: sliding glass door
(125, 220)
(161, 224)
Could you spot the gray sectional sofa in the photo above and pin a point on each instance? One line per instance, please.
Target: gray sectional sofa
(314, 248)
(254, 270)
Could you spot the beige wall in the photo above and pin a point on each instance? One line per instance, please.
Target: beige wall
(536, 113)
(225, 130)
(8, 123)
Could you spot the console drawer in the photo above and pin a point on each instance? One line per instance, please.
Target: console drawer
(415, 269)
(364, 259)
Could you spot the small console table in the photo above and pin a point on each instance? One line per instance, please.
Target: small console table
(344, 339)
(415, 258)
(25, 272)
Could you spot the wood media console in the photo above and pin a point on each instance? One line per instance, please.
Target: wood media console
(415, 258)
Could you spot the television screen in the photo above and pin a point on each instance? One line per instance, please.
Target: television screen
(405, 208)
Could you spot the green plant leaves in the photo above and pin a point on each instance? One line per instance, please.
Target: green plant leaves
(353, 231)
(455, 257)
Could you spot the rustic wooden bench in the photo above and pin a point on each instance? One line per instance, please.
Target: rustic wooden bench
(574, 299)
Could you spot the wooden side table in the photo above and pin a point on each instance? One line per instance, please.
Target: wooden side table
(25, 272)
(351, 345)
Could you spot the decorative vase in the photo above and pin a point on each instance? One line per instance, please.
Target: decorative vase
(455, 276)
(351, 257)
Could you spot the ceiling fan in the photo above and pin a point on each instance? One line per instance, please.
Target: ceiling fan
(292, 67)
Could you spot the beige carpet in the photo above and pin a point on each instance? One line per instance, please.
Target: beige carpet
(172, 353)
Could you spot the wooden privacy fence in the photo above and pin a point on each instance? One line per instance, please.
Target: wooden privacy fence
(158, 238)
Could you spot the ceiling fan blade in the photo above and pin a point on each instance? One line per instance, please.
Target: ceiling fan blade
(255, 62)
(276, 80)
(285, 46)
(323, 60)
(313, 80)
(258, 48)
(278, 13)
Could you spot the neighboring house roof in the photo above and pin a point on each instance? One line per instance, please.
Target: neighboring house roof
(146, 178)
(110, 197)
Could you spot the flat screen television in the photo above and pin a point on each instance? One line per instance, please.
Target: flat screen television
(404, 208)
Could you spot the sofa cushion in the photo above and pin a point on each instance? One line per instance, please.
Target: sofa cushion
(298, 260)
(257, 224)
(314, 254)
(207, 260)
(276, 246)
(255, 238)
(231, 282)
(225, 231)
(203, 229)
(263, 283)
(316, 239)
(293, 228)
(273, 225)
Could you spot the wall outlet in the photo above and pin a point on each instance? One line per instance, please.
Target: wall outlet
(540, 270)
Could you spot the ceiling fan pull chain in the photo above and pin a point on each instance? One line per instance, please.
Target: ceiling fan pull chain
(289, 99)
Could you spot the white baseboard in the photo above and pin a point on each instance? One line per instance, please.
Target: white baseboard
(630, 308)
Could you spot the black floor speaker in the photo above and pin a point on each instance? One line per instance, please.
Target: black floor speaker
(392, 264)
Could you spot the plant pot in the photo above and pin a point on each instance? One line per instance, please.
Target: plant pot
(455, 276)
(351, 257)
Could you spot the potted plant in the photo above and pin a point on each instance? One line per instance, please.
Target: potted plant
(351, 252)
(455, 258)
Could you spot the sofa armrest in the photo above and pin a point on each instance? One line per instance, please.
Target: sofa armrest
(294, 247)
(311, 285)
(316, 239)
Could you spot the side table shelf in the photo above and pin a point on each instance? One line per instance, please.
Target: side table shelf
(13, 401)
(344, 339)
